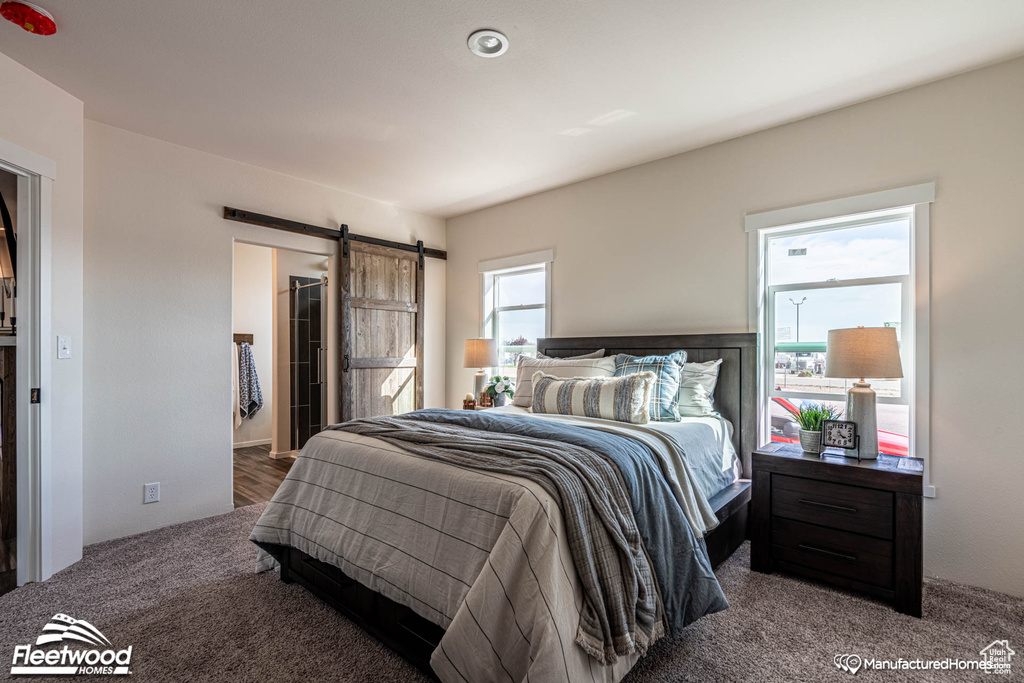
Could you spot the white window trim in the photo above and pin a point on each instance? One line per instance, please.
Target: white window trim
(488, 269)
(918, 199)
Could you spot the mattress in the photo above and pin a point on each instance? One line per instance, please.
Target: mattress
(703, 443)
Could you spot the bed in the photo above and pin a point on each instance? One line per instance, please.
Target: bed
(417, 608)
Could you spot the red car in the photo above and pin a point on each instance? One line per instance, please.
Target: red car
(785, 429)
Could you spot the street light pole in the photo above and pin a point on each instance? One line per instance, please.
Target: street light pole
(798, 304)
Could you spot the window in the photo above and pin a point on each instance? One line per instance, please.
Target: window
(843, 274)
(516, 308)
(860, 260)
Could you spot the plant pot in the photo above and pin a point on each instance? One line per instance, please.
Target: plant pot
(499, 399)
(810, 441)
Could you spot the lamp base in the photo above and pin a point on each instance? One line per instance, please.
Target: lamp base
(480, 379)
(860, 408)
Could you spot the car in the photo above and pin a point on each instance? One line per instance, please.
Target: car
(786, 429)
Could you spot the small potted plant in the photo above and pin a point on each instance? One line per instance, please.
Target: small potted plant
(499, 388)
(809, 416)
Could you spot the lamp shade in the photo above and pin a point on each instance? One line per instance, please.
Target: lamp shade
(481, 353)
(863, 352)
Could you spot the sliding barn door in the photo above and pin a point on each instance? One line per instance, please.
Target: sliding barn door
(381, 331)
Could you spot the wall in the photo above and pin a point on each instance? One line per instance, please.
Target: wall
(44, 119)
(158, 315)
(286, 264)
(252, 312)
(661, 248)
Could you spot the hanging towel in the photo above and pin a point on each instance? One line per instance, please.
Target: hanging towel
(250, 397)
(236, 409)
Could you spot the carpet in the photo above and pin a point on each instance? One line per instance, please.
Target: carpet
(187, 601)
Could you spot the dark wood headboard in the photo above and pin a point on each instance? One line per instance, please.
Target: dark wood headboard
(736, 392)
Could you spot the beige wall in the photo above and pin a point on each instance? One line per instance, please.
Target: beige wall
(252, 312)
(286, 264)
(661, 248)
(158, 308)
(44, 119)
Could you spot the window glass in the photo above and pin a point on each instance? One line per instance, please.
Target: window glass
(800, 341)
(521, 289)
(877, 250)
(893, 423)
(518, 331)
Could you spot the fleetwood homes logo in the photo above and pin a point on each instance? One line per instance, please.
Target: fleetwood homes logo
(98, 657)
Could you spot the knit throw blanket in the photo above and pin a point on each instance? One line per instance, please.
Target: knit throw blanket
(621, 613)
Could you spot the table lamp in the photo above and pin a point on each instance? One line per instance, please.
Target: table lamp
(857, 353)
(480, 354)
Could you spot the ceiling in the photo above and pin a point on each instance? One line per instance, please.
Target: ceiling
(382, 97)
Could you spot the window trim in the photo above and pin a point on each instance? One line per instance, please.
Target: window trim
(520, 263)
(914, 201)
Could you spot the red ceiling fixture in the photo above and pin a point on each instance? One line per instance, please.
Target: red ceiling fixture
(32, 18)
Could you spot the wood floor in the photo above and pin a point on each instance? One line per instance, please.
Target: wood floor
(257, 475)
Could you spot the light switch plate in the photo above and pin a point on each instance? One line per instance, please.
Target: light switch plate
(63, 348)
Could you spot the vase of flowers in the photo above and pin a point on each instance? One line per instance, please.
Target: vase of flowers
(810, 417)
(499, 388)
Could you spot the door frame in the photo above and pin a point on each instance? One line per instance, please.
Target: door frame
(36, 175)
(273, 238)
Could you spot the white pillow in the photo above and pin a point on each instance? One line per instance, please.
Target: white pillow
(557, 367)
(593, 354)
(697, 388)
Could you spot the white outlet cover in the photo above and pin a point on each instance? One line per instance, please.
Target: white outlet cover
(63, 348)
(151, 493)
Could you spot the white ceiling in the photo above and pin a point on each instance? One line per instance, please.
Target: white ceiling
(382, 97)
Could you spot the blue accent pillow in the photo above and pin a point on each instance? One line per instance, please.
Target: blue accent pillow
(668, 369)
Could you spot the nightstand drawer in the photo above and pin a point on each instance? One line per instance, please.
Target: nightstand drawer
(839, 553)
(850, 508)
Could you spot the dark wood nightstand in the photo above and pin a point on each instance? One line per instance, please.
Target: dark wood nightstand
(854, 525)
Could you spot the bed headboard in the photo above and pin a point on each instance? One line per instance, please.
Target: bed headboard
(736, 392)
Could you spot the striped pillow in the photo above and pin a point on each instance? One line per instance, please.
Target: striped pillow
(669, 370)
(559, 367)
(624, 399)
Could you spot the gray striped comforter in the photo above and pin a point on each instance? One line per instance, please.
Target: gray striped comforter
(477, 551)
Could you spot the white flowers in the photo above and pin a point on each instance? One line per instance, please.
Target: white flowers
(500, 387)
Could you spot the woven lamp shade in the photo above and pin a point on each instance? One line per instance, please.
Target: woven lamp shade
(863, 352)
(480, 353)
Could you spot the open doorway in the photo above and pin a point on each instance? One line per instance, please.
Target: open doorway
(8, 350)
(280, 347)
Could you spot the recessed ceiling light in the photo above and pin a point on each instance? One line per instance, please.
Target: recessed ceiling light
(487, 43)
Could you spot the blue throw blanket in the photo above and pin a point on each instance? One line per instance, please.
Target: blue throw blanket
(679, 559)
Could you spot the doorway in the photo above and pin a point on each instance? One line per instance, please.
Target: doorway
(280, 342)
(25, 455)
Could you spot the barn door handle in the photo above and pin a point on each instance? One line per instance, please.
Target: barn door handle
(345, 364)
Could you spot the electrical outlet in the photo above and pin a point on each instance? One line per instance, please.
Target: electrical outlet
(151, 493)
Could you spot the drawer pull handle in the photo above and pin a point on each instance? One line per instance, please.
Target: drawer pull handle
(830, 553)
(829, 506)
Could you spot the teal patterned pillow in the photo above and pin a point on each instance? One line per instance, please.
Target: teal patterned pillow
(668, 369)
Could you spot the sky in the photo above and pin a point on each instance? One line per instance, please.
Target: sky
(873, 251)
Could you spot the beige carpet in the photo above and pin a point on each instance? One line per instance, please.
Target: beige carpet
(187, 601)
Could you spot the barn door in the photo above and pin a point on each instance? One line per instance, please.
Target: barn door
(381, 331)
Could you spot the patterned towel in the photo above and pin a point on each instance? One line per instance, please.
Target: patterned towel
(250, 396)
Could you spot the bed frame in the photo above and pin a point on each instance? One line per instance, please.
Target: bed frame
(415, 638)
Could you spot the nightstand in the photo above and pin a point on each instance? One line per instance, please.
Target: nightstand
(854, 525)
